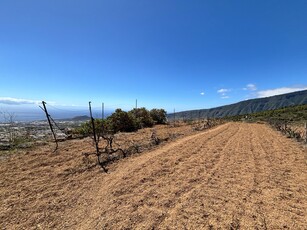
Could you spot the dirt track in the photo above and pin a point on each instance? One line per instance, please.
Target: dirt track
(233, 176)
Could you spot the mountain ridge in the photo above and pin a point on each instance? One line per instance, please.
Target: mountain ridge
(246, 107)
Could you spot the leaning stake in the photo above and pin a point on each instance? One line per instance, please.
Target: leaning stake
(50, 125)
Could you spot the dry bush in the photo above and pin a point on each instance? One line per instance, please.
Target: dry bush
(290, 130)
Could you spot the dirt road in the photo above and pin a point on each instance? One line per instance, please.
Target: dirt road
(234, 176)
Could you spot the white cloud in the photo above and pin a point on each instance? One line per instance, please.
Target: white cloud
(250, 87)
(223, 91)
(278, 91)
(17, 101)
(202, 93)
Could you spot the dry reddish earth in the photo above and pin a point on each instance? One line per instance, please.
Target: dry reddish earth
(233, 176)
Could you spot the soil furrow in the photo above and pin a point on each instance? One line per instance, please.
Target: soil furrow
(237, 175)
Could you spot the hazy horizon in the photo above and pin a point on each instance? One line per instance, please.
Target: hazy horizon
(34, 113)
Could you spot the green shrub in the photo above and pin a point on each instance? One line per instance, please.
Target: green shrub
(122, 121)
(158, 116)
(101, 126)
(142, 118)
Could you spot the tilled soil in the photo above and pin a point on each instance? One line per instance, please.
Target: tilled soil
(236, 175)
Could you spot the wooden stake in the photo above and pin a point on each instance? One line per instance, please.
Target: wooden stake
(102, 111)
(94, 130)
(50, 125)
(174, 117)
(96, 139)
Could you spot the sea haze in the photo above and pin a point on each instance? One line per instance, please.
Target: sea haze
(34, 113)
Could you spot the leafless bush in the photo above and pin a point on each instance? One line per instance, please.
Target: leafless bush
(285, 128)
(9, 120)
(154, 138)
(207, 124)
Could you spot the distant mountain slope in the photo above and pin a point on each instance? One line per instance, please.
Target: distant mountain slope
(247, 107)
(296, 114)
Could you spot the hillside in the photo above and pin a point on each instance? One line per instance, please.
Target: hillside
(229, 177)
(246, 107)
(297, 114)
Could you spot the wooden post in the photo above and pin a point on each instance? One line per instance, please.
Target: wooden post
(94, 130)
(174, 117)
(50, 125)
(102, 111)
(96, 139)
(136, 108)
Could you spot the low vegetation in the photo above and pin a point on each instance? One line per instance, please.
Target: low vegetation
(290, 121)
(296, 114)
(13, 138)
(122, 121)
(119, 121)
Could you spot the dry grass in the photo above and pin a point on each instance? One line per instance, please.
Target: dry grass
(232, 176)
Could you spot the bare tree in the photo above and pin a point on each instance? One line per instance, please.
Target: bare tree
(9, 120)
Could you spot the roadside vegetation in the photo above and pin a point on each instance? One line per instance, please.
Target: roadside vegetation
(291, 121)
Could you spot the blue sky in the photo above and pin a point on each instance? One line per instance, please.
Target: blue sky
(167, 54)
